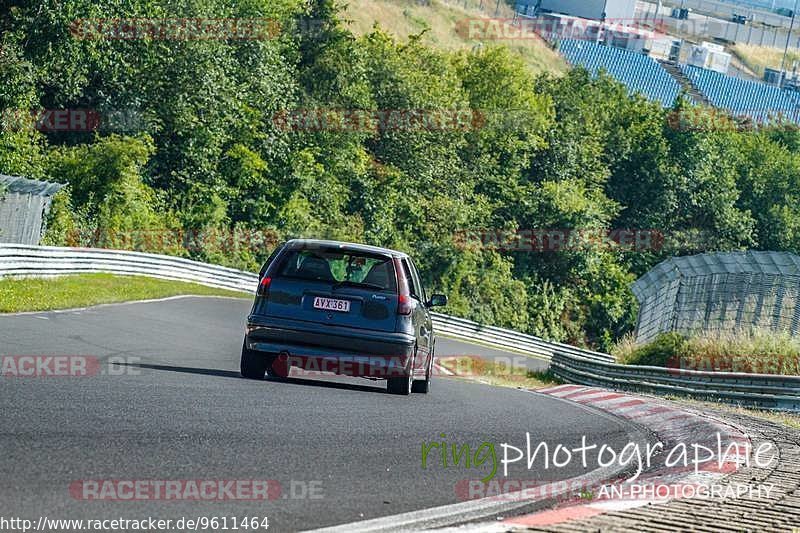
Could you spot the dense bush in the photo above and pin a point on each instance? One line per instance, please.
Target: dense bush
(211, 166)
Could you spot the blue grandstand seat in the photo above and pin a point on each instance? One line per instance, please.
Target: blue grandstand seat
(746, 98)
(640, 73)
(643, 74)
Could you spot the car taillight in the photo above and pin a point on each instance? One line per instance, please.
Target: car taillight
(403, 304)
(263, 286)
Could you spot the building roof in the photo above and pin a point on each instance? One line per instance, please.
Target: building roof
(767, 263)
(14, 184)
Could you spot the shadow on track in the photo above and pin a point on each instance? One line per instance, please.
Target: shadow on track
(233, 374)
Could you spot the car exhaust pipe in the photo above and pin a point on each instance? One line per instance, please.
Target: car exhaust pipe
(281, 365)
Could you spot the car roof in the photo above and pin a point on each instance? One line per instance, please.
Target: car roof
(345, 246)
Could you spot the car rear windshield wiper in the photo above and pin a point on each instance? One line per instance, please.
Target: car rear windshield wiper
(351, 283)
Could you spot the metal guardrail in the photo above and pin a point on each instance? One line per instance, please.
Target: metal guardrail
(509, 339)
(25, 260)
(567, 362)
(764, 391)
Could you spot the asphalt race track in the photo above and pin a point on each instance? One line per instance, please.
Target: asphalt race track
(176, 409)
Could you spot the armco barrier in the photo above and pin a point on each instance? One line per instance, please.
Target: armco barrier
(24, 260)
(567, 362)
(509, 339)
(764, 391)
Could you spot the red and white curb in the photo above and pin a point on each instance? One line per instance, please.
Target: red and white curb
(496, 505)
(670, 424)
(439, 370)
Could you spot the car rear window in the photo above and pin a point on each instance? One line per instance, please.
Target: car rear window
(342, 267)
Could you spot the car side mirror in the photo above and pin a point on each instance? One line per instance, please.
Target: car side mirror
(437, 300)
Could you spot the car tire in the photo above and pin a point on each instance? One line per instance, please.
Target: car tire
(402, 385)
(253, 364)
(423, 386)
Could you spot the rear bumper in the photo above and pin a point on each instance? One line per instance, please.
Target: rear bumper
(322, 348)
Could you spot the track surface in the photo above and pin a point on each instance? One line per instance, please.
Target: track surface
(181, 411)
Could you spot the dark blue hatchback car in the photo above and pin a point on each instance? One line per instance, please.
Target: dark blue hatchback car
(344, 308)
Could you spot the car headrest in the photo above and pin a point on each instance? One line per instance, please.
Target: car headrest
(316, 268)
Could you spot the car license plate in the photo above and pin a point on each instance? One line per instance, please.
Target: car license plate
(331, 304)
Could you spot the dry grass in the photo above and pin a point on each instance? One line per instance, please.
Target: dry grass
(757, 351)
(440, 21)
(758, 57)
(624, 348)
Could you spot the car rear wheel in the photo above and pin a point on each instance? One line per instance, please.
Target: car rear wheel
(253, 365)
(423, 386)
(402, 385)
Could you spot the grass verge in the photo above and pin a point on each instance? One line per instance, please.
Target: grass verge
(758, 57)
(83, 290)
(475, 368)
(755, 352)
